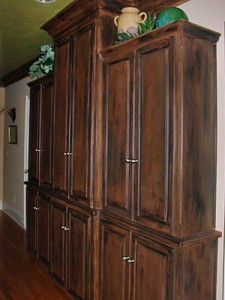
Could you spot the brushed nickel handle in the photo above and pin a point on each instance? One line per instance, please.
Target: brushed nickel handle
(132, 160)
(67, 153)
(131, 261)
(36, 208)
(63, 227)
(38, 150)
(66, 228)
(126, 257)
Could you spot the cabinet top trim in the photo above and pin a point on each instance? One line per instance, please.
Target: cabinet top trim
(177, 27)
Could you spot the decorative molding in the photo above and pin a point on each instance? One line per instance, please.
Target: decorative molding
(17, 74)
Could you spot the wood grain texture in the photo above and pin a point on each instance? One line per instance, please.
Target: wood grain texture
(22, 277)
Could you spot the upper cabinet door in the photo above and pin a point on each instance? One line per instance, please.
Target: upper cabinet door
(46, 133)
(34, 142)
(60, 154)
(154, 142)
(81, 116)
(118, 101)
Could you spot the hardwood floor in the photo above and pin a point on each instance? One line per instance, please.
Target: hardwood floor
(22, 277)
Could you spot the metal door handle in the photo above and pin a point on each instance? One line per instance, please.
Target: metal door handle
(131, 160)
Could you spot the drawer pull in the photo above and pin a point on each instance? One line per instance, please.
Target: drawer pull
(131, 261)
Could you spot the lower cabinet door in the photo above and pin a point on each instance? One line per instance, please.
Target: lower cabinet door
(79, 254)
(152, 270)
(44, 228)
(58, 243)
(114, 253)
(32, 219)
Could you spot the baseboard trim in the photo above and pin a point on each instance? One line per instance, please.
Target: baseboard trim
(12, 213)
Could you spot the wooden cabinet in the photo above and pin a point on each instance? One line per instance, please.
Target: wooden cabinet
(156, 135)
(73, 105)
(41, 116)
(128, 159)
(71, 249)
(138, 264)
(133, 266)
(38, 226)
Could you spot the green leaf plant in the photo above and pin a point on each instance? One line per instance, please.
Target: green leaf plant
(45, 63)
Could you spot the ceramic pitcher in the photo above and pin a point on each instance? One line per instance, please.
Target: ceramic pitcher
(129, 19)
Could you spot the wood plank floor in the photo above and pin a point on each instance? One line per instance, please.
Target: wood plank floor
(22, 277)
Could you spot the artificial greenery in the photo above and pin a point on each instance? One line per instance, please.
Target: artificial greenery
(44, 64)
(148, 25)
(143, 28)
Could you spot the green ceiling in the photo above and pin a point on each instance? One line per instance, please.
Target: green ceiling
(20, 33)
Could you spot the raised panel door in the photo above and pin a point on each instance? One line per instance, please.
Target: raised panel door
(44, 228)
(34, 130)
(118, 99)
(32, 219)
(79, 254)
(61, 107)
(152, 270)
(114, 252)
(46, 132)
(58, 243)
(82, 116)
(155, 144)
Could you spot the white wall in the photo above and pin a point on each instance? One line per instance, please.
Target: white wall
(211, 14)
(2, 118)
(13, 176)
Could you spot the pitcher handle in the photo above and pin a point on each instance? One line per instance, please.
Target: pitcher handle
(115, 20)
(144, 15)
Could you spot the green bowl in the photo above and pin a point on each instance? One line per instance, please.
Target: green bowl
(170, 15)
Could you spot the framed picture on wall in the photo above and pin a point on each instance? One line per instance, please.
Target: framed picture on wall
(12, 134)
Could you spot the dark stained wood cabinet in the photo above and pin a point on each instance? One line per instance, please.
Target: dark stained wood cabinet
(38, 224)
(123, 158)
(71, 232)
(159, 169)
(154, 166)
(73, 116)
(41, 118)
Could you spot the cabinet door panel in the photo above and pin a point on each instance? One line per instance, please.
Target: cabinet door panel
(46, 133)
(118, 97)
(58, 220)
(155, 135)
(82, 109)
(79, 254)
(60, 160)
(34, 133)
(44, 228)
(113, 268)
(32, 220)
(152, 270)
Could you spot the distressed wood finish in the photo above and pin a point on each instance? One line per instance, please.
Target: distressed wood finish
(134, 158)
(41, 118)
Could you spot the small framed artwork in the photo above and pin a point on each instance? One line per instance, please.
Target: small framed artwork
(12, 134)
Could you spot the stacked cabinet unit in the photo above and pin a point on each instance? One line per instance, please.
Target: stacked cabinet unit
(121, 192)
(157, 229)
